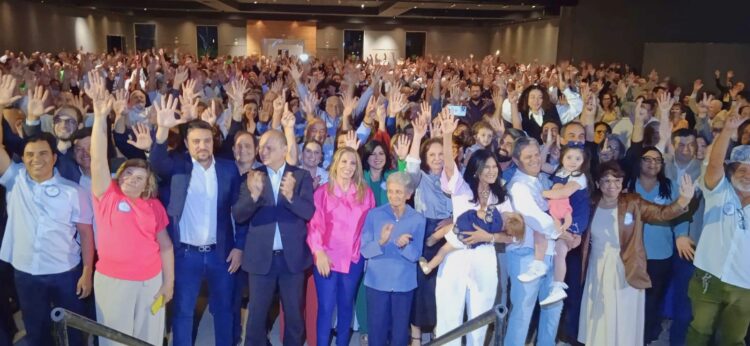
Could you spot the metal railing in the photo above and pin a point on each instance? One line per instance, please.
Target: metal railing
(65, 319)
(495, 315)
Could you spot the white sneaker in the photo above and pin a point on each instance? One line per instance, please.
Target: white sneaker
(535, 270)
(556, 294)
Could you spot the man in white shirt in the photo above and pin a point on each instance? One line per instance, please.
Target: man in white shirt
(720, 288)
(46, 213)
(525, 190)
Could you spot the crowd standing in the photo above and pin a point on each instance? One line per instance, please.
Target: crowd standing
(396, 197)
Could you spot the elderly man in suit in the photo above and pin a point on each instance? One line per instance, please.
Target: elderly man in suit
(277, 201)
(207, 244)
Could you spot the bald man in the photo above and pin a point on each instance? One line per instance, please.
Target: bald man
(277, 201)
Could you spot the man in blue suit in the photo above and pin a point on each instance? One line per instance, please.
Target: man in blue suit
(202, 190)
(277, 201)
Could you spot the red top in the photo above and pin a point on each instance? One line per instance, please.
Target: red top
(126, 235)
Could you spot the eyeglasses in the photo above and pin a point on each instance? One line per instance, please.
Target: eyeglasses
(651, 160)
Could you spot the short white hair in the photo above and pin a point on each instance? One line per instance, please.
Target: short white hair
(401, 178)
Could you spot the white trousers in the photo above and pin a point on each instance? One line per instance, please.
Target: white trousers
(126, 306)
(467, 279)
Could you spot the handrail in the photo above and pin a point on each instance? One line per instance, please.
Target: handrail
(64, 318)
(495, 315)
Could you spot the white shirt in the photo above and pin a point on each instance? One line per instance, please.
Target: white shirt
(198, 221)
(275, 177)
(726, 235)
(573, 109)
(461, 196)
(526, 196)
(40, 237)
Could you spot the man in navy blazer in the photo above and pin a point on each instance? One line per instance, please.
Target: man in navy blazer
(208, 244)
(277, 201)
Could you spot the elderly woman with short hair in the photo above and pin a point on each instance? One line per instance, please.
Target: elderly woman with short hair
(392, 239)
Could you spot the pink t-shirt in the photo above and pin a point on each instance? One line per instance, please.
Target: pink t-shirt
(126, 235)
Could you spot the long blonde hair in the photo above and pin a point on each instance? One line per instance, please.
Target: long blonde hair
(358, 179)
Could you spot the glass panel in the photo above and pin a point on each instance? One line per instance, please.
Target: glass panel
(145, 36)
(415, 44)
(353, 44)
(208, 40)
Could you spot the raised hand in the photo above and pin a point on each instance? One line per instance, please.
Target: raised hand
(295, 72)
(425, 111)
(166, 113)
(121, 102)
(396, 102)
(351, 140)
(100, 97)
(142, 138)
(7, 90)
(665, 102)
(350, 102)
(420, 127)
(180, 76)
(287, 186)
(697, 85)
(288, 120)
(309, 103)
(448, 122)
(35, 107)
(687, 190)
(640, 112)
(209, 114)
(401, 147)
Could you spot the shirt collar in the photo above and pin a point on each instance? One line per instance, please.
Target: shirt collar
(281, 169)
(197, 164)
(52, 180)
(522, 175)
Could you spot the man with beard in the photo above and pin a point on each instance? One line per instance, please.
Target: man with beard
(476, 106)
(137, 111)
(720, 287)
(505, 151)
(67, 120)
(208, 244)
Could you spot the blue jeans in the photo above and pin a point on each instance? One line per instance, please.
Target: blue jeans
(36, 293)
(523, 298)
(191, 268)
(682, 314)
(338, 291)
(388, 315)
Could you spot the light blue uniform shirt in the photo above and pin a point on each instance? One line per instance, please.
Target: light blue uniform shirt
(657, 237)
(722, 249)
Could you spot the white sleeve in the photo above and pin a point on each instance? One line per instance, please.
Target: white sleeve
(9, 177)
(581, 180)
(534, 217)
(575, 106)
(82, 209)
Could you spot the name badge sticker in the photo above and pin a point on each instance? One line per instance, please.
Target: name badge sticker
(123, 207)
(52, 191)
(728, 209)
(628, 219)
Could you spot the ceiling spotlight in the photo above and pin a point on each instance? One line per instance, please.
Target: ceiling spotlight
(415, 6)
(255, 2)
(145, 9)
(533, 6)
(453, 5)
(363, 6)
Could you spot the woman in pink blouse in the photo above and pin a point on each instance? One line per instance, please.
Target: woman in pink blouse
(333, 236)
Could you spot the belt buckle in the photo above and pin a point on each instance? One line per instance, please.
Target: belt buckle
(204, 248)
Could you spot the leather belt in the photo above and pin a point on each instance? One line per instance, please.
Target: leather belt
(201, 248)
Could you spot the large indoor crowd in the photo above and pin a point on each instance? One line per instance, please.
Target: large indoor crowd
(393, 197)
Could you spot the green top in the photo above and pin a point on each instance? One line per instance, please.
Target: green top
(378, 187)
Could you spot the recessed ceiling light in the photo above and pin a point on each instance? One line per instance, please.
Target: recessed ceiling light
(415, 6)
(453, 5)
(255, 2)
(145, 9)
(533, 6)
(363, 6)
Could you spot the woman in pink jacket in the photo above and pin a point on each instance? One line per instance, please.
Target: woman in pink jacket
(333, 236)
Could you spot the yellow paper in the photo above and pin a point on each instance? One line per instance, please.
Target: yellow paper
(158, 304)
